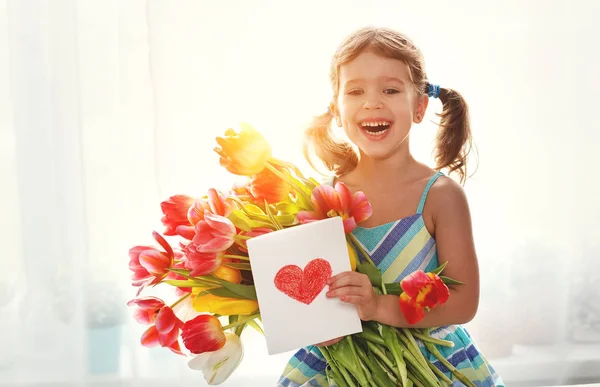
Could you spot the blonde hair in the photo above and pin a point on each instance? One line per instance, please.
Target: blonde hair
(453, 141)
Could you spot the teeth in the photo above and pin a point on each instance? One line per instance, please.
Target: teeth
(377, 133)
(379, 123)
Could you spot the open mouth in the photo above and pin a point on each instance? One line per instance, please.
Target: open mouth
(376, 128)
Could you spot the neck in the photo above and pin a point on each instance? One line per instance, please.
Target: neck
(384, 170)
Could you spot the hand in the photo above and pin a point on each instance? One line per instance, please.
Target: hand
(330, 342)
(355, 288)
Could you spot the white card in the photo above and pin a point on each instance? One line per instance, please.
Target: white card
(292, 318)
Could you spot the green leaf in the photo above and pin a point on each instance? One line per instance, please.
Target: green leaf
(220, 292)
(440, 269)
(239, 220)
(391, 340)
(240, 266)
(450, 281)
(372, 272)
(244, 291)
(255, 325)
(394, 288)
(271, 217)
(185, 283)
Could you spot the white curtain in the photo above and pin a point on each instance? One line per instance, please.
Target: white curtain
(109, 107)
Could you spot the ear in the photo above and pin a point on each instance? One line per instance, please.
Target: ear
(335, 114)
(421, 108)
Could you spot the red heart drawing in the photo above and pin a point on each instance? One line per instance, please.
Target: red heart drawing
(306, 285)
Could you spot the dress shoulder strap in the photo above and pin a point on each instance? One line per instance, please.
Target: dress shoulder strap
(427, 187)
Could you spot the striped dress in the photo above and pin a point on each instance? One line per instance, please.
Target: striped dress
(399, 248)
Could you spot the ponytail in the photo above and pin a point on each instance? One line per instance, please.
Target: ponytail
(338, 156)
(453, 141)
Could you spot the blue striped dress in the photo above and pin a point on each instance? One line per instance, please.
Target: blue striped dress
(399, 248)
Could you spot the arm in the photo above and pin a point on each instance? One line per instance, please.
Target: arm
(452, 223)
(454, 239)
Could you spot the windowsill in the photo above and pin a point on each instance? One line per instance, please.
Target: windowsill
(526, 366)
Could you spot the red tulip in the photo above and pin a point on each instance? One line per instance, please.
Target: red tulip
(203, 334)
(329, 202)
(422, 291)
(165, 331)
(175, 211)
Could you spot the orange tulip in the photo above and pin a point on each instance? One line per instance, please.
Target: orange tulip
(244, 153)
(268, 186)
(422, 291)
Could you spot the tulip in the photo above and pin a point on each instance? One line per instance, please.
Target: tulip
(421, 291)
(164, 332)
(203, 334)
(228, 274)
(199, 263)
(244, 153)
(215, 203)
(270, 187)
(149, 265)
(218, 365)
(329, 202)
(224, 306)
(175, 211)
(214, 234)
(352, 255)
(148, 307)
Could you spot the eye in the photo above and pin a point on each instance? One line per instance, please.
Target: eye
(391, 91)
(355, 92)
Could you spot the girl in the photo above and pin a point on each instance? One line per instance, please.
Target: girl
(420, 217)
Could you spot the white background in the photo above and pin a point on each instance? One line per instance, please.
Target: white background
(109, 107)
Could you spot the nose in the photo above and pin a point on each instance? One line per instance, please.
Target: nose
(372, 101)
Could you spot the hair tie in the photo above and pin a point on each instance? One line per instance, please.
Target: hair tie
(434, 91)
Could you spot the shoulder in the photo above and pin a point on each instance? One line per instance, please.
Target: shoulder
(447, 199)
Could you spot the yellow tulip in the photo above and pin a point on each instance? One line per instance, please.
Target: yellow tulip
(228, 274)
(353, 256)
(223, 306)
(244, 153)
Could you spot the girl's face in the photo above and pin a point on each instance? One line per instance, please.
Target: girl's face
(377, 104)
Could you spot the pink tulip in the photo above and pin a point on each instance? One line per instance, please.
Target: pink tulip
(214, 234)
(215, 203)
(147, 309)
(149, 264)
(175, 211)
(329, 202)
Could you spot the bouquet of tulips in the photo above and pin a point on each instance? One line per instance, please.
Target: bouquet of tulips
(210, 276)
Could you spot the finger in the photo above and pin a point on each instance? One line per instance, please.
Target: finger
(336, 277)
(356, 300)
(346, 291)
(354, 279)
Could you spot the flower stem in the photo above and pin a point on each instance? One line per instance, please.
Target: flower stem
(180, 300)
(242, 321)
(459, 375)
(429, 339)
(233, 256)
